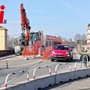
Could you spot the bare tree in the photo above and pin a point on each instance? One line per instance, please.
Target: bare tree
(80, 39)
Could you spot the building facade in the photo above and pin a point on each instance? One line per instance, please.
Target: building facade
(3, 38)
(86, 47)
(88, 34)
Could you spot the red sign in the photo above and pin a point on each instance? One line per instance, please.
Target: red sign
(2, 7)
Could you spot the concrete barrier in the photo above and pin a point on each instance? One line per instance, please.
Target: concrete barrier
(6, 52)
(35, 85)
(68, 76)
(23, 86)
(51, 80)
(64, 77)
(44, 82)
(81, 73)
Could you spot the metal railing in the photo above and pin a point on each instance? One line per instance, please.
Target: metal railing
(49, 70)
(56, 67)
(34, 71)
(6, 79)
(85, 59)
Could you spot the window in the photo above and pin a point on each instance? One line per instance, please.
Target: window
(62, 47)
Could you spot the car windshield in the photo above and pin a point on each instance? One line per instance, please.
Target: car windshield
(62, 47)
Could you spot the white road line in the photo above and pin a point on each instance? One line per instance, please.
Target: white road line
(25, 64)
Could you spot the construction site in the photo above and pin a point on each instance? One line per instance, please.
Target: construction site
(38, 50)
(29, 43)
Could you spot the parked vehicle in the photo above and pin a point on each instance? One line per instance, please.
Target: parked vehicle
(62, 52)
(17, 50)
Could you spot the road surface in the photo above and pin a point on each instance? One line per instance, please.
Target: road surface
(18, 63)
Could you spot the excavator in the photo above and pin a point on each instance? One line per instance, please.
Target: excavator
(24, 47)
(25, 31)
(26, 34)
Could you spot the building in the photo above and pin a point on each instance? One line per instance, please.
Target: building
(88, 34)
(86, 47)
(3, 38)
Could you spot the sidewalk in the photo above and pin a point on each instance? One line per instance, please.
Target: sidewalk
(8, 56)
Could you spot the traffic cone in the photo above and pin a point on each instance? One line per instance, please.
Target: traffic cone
(6, 64)
(5, 85)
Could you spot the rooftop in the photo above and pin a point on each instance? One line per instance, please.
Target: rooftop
(2, 28)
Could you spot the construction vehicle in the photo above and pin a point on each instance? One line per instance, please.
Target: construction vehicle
(34, 36)
(25, 35)
(26, 48)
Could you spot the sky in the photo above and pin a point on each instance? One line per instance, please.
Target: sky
(64, 18)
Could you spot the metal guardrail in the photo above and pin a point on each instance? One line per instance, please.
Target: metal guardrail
(6, 79)
(56, 67)
(85, 59)
(34, 71)
(75, 65)
(70, 68)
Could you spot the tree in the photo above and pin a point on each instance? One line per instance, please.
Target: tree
(80, 39)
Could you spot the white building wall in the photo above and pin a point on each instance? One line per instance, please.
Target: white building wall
(88, 35)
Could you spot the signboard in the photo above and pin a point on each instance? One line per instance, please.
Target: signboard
(2, 7)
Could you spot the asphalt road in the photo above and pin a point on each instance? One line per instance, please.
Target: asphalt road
(18, 63)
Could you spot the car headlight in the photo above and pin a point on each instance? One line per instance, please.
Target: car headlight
(53, 52)
(67, 53)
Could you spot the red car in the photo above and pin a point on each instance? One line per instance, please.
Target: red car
(62, 52)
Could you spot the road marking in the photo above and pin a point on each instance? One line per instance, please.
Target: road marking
(25, 64)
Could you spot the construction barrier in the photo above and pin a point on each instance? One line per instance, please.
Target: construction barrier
(47, 52)
(57, 65)
(59, 78)
(34, 71)
(34, 51)
(47, 80)
(84, 58)
(6, 65)
(6, 80)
